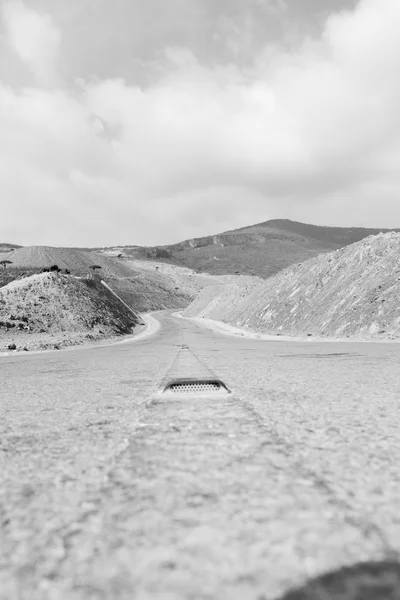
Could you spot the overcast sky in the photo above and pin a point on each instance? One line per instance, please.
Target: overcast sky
(151, 121)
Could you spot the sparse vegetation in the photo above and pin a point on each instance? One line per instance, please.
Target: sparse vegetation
(94, 268)
(162, 253)
(4, 263)
(13, 273)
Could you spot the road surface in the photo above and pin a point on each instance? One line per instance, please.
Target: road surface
(111, 490)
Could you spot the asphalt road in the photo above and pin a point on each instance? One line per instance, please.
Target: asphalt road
(111, 490)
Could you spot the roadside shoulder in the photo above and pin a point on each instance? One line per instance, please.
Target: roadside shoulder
(47, 343)
(231, 330)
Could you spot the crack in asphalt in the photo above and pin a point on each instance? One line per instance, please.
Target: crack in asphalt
(364, 524)
(211, 494)
(288, 450)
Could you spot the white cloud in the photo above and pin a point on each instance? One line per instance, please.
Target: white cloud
(316, 132)
(273, 6)
(34, 37)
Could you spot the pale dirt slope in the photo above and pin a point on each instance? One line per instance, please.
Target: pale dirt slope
(53, 304)
(352, 292)
(187, 280)
(143, 285)
(43, 306)
(66, 258)
(262, 249)
(144, 289)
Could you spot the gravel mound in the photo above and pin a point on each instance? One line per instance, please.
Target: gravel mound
(51, 302)
(351, 292)
(144, 285)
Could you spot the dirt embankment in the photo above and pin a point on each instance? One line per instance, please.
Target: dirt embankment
(143, 286)
(51, 310)
(180, 282)
(353, 292)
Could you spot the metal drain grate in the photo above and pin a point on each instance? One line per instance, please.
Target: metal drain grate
(196, 387)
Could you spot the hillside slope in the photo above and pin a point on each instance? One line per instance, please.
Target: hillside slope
(72, 259)
(48, 303)
(342, 236)
(262, 249)
(62, 303)
(144, 289)
(351, 292)
(7, 249)
(144, 285)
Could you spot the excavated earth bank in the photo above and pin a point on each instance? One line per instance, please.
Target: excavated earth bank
(352, 292)
(51, 310)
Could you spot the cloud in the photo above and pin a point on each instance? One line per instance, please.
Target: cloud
(273, 6)
(34, 37)
(313, 134)
(242, 32)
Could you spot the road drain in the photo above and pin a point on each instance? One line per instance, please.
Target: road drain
(188, 387)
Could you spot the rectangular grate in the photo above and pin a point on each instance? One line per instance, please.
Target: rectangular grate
(196, 387)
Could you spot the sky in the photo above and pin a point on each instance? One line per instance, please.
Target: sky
(152, 121)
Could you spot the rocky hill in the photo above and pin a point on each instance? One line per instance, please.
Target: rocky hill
(145, 285)
(75, 260)
(35, 304)
(51, 303)
(263, 249)
(143, 288)
(351, 292)
(7, 248)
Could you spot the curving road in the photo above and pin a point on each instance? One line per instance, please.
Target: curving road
(111, 490)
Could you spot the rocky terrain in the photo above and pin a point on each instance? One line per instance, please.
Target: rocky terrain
(260, 250)
(75, 260)
(263, 249)
(41, 298)
(145, 288)
(7, 247)
(51, 310)
(146, 285)
(346, 293)
(352, 292)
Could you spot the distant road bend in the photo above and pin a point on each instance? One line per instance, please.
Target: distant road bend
(111, 489)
